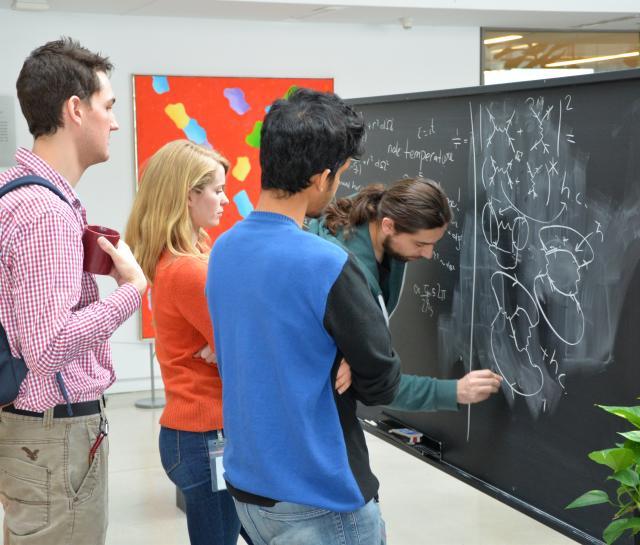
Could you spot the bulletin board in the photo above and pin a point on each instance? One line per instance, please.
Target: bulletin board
(225, 113)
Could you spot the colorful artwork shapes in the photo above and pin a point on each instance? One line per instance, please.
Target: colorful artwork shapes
(243, 204)
(289, 91)
(192, 130)
(177, 114)
(285, 96)
(253, 138)
(236, 99)
(195, 132)
(242, 169)
(160, 84)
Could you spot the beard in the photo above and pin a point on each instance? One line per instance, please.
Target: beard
(388, 250)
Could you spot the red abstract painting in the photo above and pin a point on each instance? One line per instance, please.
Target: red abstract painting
(219, 112)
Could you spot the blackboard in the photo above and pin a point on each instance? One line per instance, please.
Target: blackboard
(537, 278)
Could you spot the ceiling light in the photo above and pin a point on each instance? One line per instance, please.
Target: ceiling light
(501, 39)
(30, 5)
(521, 46)
(593, 59)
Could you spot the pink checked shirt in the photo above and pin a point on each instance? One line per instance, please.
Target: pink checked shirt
(51, 309)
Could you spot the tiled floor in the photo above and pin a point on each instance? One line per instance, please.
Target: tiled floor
(421, 505)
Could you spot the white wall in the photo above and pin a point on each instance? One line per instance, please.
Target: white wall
(364, 60)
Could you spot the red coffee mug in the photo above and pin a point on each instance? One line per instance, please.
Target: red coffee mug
(96, 260)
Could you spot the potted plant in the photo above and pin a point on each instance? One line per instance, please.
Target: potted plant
(624, 462)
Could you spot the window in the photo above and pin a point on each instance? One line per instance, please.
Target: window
(514, 55)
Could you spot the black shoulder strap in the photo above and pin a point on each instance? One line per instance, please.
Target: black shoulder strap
(32, 180)
(21, 367)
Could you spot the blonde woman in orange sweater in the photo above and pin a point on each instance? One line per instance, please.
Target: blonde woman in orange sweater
(181, 195)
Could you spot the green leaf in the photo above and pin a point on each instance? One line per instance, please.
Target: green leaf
(617, 528)
(635, 447)
(625, 494)
(593, 497)
(628, 477)
(632, 414)
(615, 458)
(631, 435)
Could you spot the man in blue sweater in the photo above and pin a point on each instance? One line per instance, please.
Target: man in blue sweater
(287, 306)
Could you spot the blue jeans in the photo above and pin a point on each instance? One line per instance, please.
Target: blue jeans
(211, 516)
(295, 524)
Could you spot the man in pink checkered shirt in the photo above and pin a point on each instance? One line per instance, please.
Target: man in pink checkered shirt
(53, 456)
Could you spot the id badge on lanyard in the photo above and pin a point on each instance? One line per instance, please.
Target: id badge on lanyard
(216, 451)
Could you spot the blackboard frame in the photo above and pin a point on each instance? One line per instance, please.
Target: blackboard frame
(374, 415)
(369, 415)
(479, 90)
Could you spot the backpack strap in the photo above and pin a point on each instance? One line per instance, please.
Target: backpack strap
(15, 184)
(32, 180)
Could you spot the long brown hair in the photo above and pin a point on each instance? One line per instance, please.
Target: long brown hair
(413, 204)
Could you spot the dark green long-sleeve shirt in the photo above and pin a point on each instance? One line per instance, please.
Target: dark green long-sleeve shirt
(415, 393)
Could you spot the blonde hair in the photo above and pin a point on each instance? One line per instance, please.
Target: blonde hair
(160, 218)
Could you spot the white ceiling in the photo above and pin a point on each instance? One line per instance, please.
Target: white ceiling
(620, 14)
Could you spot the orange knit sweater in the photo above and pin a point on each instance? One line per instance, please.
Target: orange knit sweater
(181, 318)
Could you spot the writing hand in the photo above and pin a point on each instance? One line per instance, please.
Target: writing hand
(477, 386)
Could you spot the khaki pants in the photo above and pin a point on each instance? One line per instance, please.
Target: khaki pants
(51, 495)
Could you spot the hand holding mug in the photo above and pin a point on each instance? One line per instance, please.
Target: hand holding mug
(125, 267)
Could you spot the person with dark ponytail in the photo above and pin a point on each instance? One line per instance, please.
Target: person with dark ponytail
(384, 228)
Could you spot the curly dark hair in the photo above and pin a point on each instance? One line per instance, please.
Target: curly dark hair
(304, 135)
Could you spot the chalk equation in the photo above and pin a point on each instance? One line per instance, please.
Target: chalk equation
(428, 294)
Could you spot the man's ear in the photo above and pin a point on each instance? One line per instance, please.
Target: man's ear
(322, 181)
(72, 111)
(388, 226)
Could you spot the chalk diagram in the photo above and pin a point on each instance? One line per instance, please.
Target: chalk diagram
(534, 244)
(516, 322)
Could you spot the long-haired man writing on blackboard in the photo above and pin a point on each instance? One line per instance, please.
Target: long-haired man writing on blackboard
(384, 228)
(286, 307)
